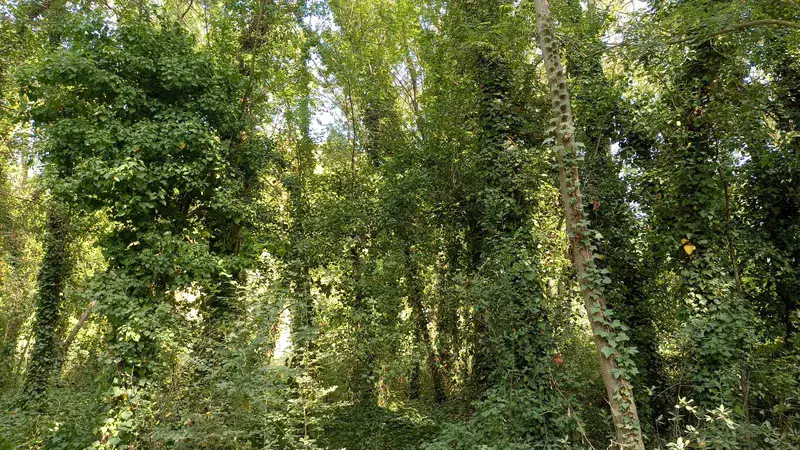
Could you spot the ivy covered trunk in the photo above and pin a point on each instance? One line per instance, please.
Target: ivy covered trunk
(47, 322)
(615, 365)
(362, 376)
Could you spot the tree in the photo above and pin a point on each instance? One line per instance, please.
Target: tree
(615, 363)
(603, 118)
(168, 156)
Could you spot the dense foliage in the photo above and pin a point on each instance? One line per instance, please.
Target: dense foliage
(400, 224)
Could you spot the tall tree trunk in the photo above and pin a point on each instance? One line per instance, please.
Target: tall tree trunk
(787, 75)
(617, 382)
(447, 330)
(47, 322)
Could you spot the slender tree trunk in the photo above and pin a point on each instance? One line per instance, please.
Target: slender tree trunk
(728, 228)
(420, 324)
(447, 336)
(20, 366)
(598, 102)
(618, 386)
(74, 333)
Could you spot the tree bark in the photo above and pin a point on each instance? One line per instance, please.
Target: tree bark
(362, 375)
(618, 386)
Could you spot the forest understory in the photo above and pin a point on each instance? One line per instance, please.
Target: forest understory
(400, 224)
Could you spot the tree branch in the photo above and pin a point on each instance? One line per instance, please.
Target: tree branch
(738, 26)
(188, 8)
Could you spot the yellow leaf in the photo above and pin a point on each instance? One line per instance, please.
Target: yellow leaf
(136, 149)
(684, 240)
(183, 145)
(689, 248)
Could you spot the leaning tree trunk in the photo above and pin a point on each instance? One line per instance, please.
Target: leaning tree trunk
(602, 188)
(613, 359)
(65, 346)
